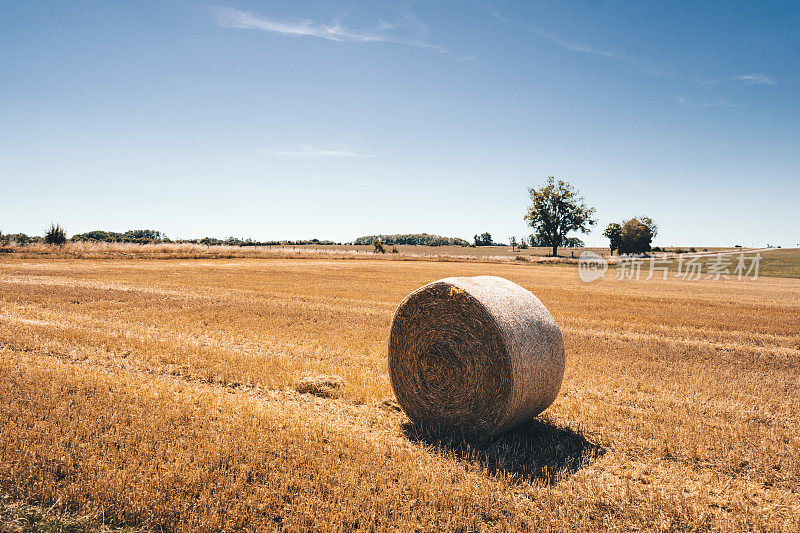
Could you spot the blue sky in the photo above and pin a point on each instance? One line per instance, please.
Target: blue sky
(292, 120)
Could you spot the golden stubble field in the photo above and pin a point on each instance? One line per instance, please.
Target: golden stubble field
(163, 394)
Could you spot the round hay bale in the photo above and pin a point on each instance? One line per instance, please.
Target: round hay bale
(474, 355)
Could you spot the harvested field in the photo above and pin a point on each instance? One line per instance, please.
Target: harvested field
(254, 393)
(109, 250)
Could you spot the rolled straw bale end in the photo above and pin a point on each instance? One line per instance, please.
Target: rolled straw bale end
(474, 355)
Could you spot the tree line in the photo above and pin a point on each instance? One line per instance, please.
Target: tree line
(556, 210)
(418, 239)
(57, 235)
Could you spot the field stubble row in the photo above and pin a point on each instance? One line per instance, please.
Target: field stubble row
(162, 393)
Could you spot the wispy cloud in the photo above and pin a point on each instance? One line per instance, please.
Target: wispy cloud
(700, 84)
(576, 47)
(647, 66)
(756, 79)
(717, 102)
(233, 18)
(310, 151)
(657, 72)
(565, 43)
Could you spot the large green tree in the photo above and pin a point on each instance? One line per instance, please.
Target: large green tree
(632, 236)
(637, 235)
(556, 209)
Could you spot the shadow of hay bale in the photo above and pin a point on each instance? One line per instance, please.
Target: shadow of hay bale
(324, 386)
(534, 451)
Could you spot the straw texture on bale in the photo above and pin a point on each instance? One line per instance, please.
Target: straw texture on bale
(475, 355)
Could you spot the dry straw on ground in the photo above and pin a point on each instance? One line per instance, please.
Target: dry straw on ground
(475, 355)
(157, 395)
(322, 385)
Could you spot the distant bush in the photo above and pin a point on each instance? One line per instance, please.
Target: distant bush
(20, 239)
(484, 239)
(55, 235)
(377, 247)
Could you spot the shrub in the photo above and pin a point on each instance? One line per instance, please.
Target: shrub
(55, 235)
(377, 247)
